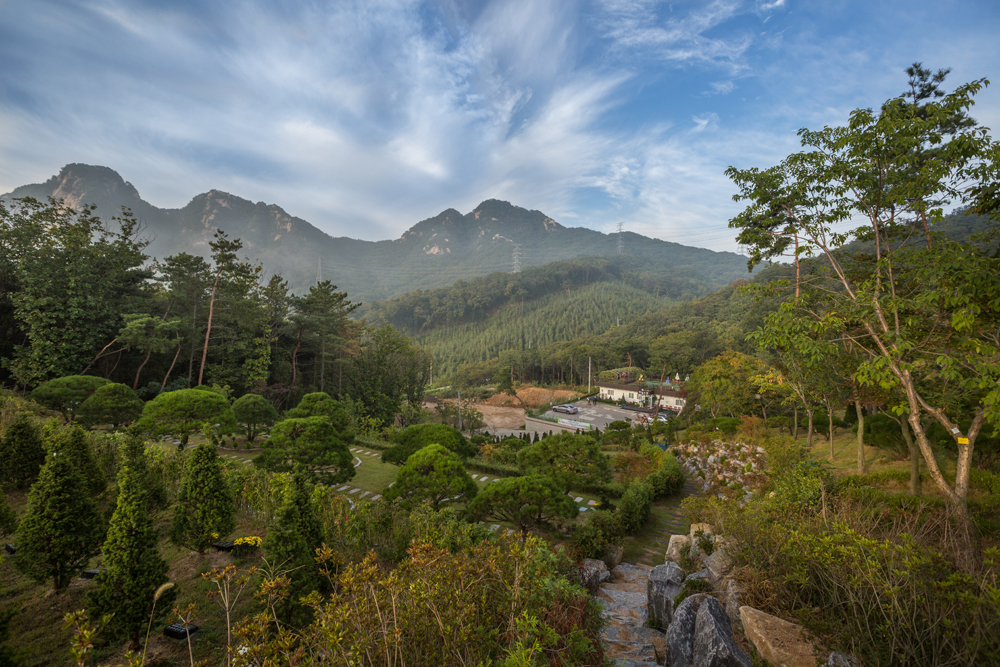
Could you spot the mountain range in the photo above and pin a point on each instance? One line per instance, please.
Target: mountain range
(433, 253)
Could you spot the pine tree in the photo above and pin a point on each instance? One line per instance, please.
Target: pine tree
(135, 568)
(22, 453)
(61, 529)
(292, 541)
(205, 511)
(74, 443)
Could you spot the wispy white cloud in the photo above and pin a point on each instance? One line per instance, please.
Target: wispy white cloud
(364, 116)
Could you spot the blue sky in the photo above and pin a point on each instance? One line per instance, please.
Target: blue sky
(365, 117)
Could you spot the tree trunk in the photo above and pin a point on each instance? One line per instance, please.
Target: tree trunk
(169, 370)
(135, 383)
(862, 464)
(809, 433)
(194, 337)
(208, 328)
(829, 415)
(914, 458)
(795, 423)
(295, 356)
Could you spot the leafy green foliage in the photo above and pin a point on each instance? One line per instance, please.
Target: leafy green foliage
(634, 507)
(61, 529)
(73, 277)
(134, 566)
(668, 480)
(433, 474)
(67, 394)
(527, 502)
(254, 412)
(22, 452)
(416, 437)
(204, 512)
(112, 403)
(917, 316)
(186, 411)
(569, 460)
(312, 443)
(600, 530)
(386, 371)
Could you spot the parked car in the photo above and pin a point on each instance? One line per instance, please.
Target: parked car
(568, 409)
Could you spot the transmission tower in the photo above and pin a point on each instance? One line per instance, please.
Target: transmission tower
(621, 238)
(517, 259)
(319, 269)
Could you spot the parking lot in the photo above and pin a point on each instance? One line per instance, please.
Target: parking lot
(599, 415)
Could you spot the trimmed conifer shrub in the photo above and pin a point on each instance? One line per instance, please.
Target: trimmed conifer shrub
(73, 442)
(205, 510)
(22, 453)
(62, 528)
(135, 568)
(292, 541)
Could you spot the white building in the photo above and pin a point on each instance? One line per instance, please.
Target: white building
(669, 399)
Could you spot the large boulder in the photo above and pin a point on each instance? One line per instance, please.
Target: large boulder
(729, 596)
(778, 641)
(664, 584)
(718, 565)
(838, 659)
(631, 574)
(677, 543)
(701, 636)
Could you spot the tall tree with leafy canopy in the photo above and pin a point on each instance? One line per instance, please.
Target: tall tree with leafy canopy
(253, 413)
(61, 530)
(22, 453)
(75, 277)
(922, 310)
(314, 445)
(387, 370)
(205, 510)
(186, 411)
(432, 474)
(134, 566)
(67, 394)
(321, 322)
(113, 404)
(527, 502)
(569, 460)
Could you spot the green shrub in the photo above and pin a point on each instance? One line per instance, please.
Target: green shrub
(599, 530)
(668, 480)
(416, 437)
(727, 425)
(635, 506)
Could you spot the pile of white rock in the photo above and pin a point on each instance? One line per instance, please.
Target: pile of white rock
(720, 466)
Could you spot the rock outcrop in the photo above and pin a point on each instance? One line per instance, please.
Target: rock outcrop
(702, 636)
(664, 584)
(778, 641)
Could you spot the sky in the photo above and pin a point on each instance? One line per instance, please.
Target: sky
(365, 117)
